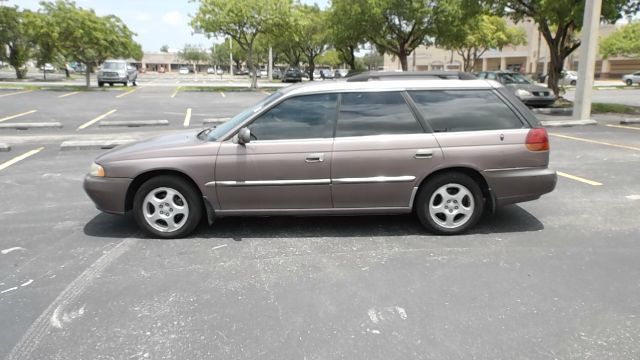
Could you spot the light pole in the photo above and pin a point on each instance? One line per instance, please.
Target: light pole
(586, 67)
(231, 56)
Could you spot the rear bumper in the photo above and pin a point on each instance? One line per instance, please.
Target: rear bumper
(108, 194)
(511, 186)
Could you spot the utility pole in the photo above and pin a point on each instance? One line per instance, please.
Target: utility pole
(230, 56)
(270, 63)
(586, 67)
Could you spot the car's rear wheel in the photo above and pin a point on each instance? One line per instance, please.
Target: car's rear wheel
(629, 82)
(100, 84)
(167, 207)
(449, 203)
(573, 83)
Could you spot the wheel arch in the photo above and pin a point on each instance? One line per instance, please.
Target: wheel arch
(143, 177)
(487, 192)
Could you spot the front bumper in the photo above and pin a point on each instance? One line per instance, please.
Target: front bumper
(112, 79)
(538, 100)
(511, 186)
(108, 194)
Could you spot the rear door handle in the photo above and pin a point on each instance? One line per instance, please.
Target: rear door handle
(311, 158)
(424, 154)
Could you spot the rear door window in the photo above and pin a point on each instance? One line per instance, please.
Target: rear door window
(465, 110)
(375, 113)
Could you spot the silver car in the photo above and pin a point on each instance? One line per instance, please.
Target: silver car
(117, 72)
(447, 150)
(631, 79)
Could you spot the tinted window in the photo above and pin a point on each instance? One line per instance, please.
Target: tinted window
(375, 113)
(465, 110)
(302, 117)
(490, 76)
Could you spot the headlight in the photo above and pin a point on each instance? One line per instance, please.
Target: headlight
(522, 93)
(96, 170)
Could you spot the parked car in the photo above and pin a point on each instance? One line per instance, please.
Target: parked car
(276, 74)
(569, 78)
(183, 70)
(219, 72)
(447, 150)
(528, 92)
(633, 78)
(327, 74)
(211, 70)
(117, 72)
(48, 68)
(292, 75)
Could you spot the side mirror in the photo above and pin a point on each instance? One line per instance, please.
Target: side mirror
(244, 136)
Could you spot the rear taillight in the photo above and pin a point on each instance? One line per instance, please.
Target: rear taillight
(537, 140)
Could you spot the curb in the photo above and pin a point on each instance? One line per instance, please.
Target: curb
(630, 121)
(133, 123)
(567, 123)
(4, 147)
(24, 126)
(93, 144)
(553, 111)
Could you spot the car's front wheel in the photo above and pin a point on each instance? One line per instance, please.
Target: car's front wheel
(167, 207)
(449, 203)
(629, 82)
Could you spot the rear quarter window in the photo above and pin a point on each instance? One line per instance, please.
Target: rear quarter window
(465, 110)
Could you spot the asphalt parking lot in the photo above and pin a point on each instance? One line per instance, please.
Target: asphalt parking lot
(556, 278)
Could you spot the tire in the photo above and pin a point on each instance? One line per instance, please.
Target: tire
(441, 200)
(629, 82)
(125, 84)
(573, 83)
(110, 84)
(100, 84)
(185, 207)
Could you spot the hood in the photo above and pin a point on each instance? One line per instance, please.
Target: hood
(528, 87)
(184, 143)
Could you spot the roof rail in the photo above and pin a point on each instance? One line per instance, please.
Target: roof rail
(410, 75)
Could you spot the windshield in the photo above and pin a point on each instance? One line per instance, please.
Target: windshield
(113, 66)
(514, 79)
(221, 130)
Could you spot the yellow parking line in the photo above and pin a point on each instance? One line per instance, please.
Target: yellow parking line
(125, 94)
(187, 118)
(596, 142)
(69, 94)
(91, 122)
(16, 93)
(16, 159)
(223, 95)
(17, 115)
(624, 127)
(175, 92)
(577, 178)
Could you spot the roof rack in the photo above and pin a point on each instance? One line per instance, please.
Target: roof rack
(410, 75)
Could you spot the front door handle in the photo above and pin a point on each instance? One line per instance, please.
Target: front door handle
(424, 154)
(311, 158)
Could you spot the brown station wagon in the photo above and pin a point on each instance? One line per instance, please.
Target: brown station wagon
(448, 150)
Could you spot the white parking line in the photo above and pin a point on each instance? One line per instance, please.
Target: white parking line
(125, 94)
(20, 158)
(623, 127)
(69, 94)
(223, 95)
(17, 115)
(16, 93)
(577, 178)
(175, 92)
(187, 118)
(91, 122)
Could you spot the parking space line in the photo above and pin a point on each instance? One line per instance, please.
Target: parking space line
(175, 92)
(577, 178)
(623, 127)
(17, 115)
(18, 158)
(596, 142)
(91, 122)
(223, 95)
(16, 93)
(125, 94)
(69, 94)
(187, 118)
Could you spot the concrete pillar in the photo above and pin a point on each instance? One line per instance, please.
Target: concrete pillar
(503, 63)
(605, 69)
(534, 66)
(588, 52)
(485, 64)
(545, 67)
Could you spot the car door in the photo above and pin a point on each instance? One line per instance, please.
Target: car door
(287, 163)
(380, 153)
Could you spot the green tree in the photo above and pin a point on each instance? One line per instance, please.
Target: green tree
(559, 22)
(43, 32)
(242, 20)
(331, 58)
(313, 33)
(164, 48)
(15, 38)
(477, 34)
(622, 42)
(193, 55)
(347, 28)
(88, 38)
(397, 27)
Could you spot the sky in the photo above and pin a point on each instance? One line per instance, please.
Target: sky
(156, 22)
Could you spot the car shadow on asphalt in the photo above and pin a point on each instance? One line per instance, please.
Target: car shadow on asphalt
(509, 219)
